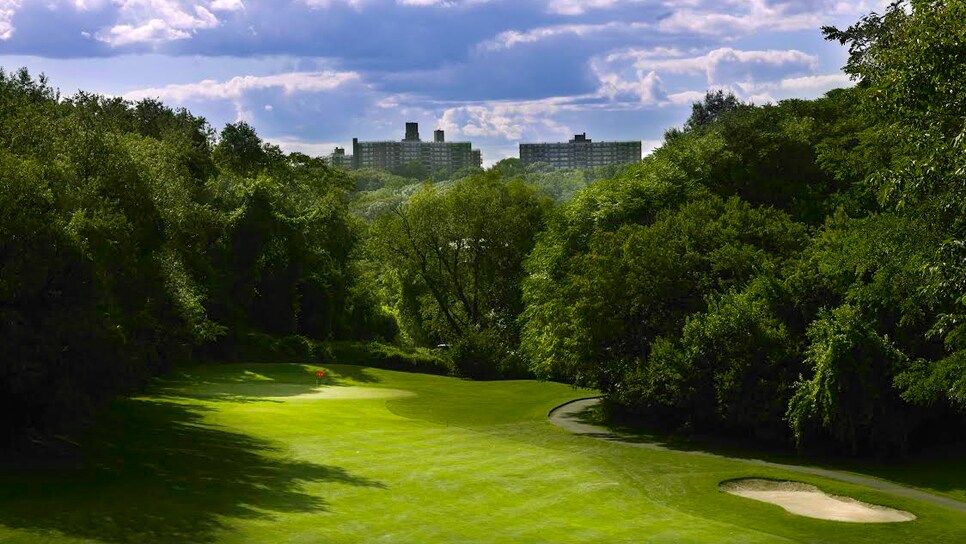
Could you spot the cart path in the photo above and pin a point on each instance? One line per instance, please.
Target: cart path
(566, 416)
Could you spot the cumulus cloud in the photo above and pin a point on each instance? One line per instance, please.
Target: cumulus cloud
(634, 80)
(227, 5)
(441, 3)
(579, 7)
(86, 5)
(292, 144)
(823, 81)
(512, 38)
(799, 86)
(648, 76)
(695, 22)
(235, 87)
(732, 18)
(760, 99)
(357, 4)
(692, 17)
(8, 8)
(724, 62)
(158, 21)
(648, 146)
(647, 88)
(711, 19)
(511, 120)
(685, 97)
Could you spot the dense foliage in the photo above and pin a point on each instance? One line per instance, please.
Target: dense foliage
(789, 272)
(131, 237)
(453, 261)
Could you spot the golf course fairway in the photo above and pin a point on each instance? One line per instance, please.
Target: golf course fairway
(260, 453)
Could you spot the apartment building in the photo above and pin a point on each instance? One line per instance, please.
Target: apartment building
(580, 152)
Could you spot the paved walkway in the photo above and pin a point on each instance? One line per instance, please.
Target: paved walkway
(566, 416)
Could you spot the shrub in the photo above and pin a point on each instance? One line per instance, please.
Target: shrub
(385, 356)
(293, 349)
(481, 355)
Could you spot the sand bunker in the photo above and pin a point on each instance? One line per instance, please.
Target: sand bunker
(336, 392)
(808, 500)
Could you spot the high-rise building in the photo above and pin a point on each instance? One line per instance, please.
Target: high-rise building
(412, 132)
(436, 155)
(338, 159)
(580, 152)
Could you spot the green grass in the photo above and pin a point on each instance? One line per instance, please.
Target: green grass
(941, 471)
(248, 453)
(941, 474)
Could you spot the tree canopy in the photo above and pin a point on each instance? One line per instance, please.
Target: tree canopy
(132, 238)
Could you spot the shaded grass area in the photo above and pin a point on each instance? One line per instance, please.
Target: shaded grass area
(470, 404)
(941, 471)
(247, 453)
(254, 383)
(155, 472)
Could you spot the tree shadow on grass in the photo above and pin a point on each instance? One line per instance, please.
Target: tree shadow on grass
(350, 375)
(942, 469)
(259, 382)
(153, 472)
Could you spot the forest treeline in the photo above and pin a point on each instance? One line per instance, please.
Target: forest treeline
(793, 273)
(132, 238)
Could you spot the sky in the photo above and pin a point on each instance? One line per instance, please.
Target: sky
(312, 74)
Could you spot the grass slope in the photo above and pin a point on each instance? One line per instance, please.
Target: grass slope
(255, 453)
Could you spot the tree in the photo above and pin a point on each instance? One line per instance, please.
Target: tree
(240, 149)
(869, 270)
(413, 169)
(770, 155)
(593, 320)
(910, 61)
(742, 361)
(850, 394)
(124, 246)
(458, 254)
(509, 168)
(715, 105)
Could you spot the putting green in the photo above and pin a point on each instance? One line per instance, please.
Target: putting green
(259, 453)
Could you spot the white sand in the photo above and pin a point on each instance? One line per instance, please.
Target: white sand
(808, 500)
